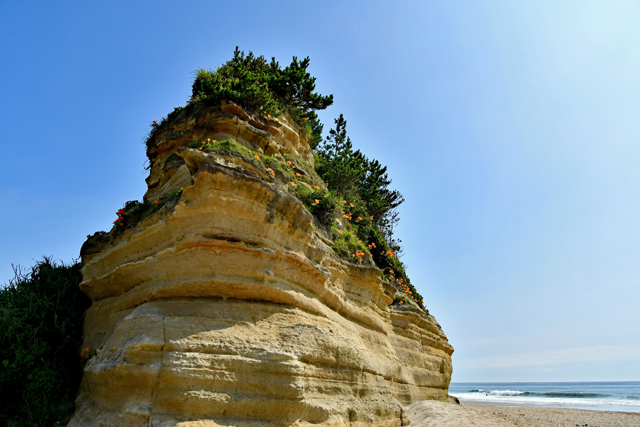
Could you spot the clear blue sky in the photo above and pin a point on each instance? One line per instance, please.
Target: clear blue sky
(512, 129)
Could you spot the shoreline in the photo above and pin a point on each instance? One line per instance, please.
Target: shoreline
(498, 404)
(486, 414)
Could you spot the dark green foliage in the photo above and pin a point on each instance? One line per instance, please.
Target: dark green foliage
(243, 80)
(134, 211)
(315, 131)
(368, 203)
(358, 179)
(294, 87)
(259, 87)
(41, 315)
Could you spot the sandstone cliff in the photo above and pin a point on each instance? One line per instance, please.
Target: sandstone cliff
(226, 306)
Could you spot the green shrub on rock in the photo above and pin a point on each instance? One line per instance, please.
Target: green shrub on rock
(41, 315)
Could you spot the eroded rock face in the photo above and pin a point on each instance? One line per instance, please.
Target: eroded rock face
(231, 309)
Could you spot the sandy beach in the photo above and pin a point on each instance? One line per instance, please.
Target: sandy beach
(439, 414)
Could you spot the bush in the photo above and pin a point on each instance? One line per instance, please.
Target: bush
(352, 175)
(319, 202)
(260, 87)
(41, 315)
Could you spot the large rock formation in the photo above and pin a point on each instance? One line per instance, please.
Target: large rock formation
(228, 306)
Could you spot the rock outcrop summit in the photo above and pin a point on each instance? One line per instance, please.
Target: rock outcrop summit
(220, 302)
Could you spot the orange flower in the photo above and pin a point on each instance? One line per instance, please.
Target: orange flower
(359, 218)
(297, 174)
(339, 231)
(293, 166)
(401, 302)
(344, 201)
(317, 201)
(288, 162)
(257, 157)
(155, 201)
(209, 139)
(316, 187)
(200, 148)
(293, 183)
(351, 204)
(155, 121)
(371, 217)
(304, 118)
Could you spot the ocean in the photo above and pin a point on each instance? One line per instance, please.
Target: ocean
(603, 396)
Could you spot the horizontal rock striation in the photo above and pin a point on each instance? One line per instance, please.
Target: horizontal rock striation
(229, 307)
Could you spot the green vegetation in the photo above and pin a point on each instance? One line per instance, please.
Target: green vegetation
(347, 193)
(262, 88)
(135, 211)
(41, 315)
(369, 204)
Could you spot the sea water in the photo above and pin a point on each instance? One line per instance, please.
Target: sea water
(604, 396)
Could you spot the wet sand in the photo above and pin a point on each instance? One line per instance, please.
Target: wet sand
(439, 414)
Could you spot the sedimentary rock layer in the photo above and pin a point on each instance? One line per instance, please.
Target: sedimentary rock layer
(231, 309)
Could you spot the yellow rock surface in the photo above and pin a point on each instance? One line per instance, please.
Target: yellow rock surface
(230, 309)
